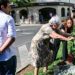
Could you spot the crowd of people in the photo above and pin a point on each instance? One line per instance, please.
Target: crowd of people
(45, 44)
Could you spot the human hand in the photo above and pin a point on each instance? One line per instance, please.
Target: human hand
(73, 38)
(1, 50)
(70, 38)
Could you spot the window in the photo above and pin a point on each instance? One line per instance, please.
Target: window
(68, 11)
(62, 12)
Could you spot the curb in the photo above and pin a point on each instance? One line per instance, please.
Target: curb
(29, 24)
(20, 69)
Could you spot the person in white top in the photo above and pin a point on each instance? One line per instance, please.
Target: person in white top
(7, 38)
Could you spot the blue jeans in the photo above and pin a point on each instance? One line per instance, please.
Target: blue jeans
(8, 67)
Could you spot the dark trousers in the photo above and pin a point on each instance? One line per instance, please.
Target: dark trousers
(8, 67)
(64, 49)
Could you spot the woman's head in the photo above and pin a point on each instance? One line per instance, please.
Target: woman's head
(54, 22)
(69, 22)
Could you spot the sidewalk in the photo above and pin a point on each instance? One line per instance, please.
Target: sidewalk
(23, 59)
(23, 24)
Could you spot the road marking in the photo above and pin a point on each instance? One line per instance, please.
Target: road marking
(24, 33)
(17, 30)
(27, 33)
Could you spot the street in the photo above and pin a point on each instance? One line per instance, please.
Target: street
(25, 34)
(22, 43)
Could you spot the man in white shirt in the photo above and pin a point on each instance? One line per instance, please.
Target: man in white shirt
(7, 37)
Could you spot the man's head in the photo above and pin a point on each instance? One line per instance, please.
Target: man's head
(5, 6)
(54, 22)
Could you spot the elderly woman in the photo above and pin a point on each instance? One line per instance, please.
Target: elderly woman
(39, 50)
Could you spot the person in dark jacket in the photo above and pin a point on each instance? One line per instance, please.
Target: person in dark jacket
(66, 29)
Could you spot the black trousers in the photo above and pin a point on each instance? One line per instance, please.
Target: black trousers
(64, 49)
(8, 67)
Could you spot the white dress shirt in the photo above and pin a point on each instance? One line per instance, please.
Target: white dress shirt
(7, 29)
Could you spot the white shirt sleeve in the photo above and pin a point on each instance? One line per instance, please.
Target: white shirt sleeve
(11, 32)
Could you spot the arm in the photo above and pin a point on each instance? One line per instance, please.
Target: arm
(11, 34)
(62, 32)
(58, 36)
(7, 43)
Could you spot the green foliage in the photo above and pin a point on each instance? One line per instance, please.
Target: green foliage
(29, 73)
(71, 44)
(14, 1)
(22, 3)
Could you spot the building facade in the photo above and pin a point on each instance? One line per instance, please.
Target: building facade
(66, 1)
(41, 11)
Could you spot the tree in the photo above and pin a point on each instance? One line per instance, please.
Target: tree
(22, 3)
